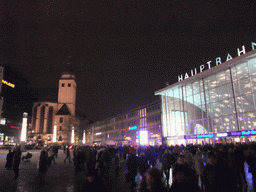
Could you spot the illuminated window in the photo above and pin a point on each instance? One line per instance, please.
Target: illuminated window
(62, 85)
(143, 112)
(41, 128)
(50, 117)
(34, 117)
(143, 122)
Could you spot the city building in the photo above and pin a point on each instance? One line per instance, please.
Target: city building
(16, 98)
(55, 122)
(214, 105)
(127, 128)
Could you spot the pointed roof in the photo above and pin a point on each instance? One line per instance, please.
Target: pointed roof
(63, 110)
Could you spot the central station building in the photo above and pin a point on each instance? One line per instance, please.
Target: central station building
(214, 105)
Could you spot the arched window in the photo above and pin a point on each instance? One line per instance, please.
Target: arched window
(34, 118)
(41, 128)
(60, 138)
(50, 117)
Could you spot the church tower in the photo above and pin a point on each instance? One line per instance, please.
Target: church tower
(67, 92)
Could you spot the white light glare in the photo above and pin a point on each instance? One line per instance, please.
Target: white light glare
(143, 137)
(23, 136)
(84, 137)
(73, 135)
(54, 133)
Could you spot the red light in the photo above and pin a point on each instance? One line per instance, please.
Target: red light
(15, 127)
(126, 129)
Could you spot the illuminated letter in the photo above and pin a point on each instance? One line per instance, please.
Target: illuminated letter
(192, 72)
(229, 57)
(239, 52)
(186, 76)
(253, 45)
(209, 64)
(180, 78)
(218, 60)
(201, 68)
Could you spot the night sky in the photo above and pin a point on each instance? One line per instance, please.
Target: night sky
(120, 51)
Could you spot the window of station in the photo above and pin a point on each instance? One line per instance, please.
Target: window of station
(143, 112)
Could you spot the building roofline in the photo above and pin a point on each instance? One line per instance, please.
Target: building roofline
(226, 65)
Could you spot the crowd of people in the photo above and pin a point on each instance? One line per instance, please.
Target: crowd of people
(194, 168)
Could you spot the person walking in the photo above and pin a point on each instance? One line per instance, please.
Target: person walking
(16, 161)
(167, 162)
(9, 159)
(67, 155)
(199, 166)
(43, 164)
(132, 166)
(143, 163)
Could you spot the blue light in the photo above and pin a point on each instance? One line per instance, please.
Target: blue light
(253, 132)
(246, 132)
(134, 127)
(204, 136)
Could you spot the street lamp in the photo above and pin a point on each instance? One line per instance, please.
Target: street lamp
(54, 139)
(72, 136)
(84, 137)
(23, 137)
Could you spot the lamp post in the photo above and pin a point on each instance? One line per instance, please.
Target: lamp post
(23, 137)
(72, 135)
(54, 139)
(84, 139)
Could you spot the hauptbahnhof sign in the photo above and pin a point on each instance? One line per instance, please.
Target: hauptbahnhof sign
(210, 64)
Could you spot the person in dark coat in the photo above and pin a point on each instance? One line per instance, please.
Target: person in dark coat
(43, 164)
(16, 161)
(143, 163)
(55, 151)
(9, 159)
(167, 161)
(240, 160)
(181, 182)
(217, 176)
(67, 155)
(152, 181)
(94, 182)
(132, 166)
(251, 161)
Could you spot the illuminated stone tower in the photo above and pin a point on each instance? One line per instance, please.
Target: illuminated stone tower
(67, 92)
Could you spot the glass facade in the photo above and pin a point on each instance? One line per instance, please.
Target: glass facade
(223, 101)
